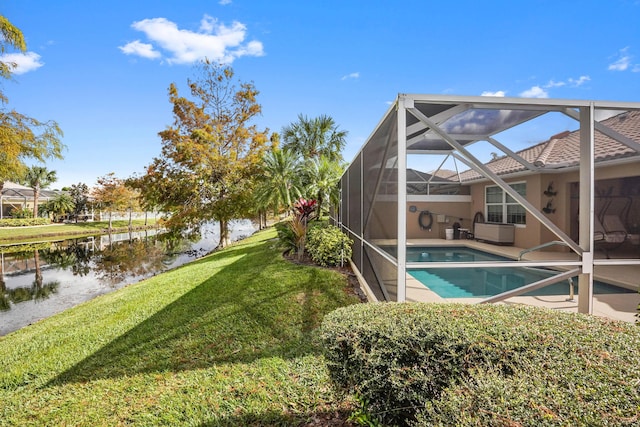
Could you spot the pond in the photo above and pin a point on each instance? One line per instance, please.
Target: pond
(38, 280)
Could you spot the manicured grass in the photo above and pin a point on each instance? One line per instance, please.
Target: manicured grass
(226, 340)
(42, 232)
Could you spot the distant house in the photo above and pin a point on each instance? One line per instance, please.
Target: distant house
(16, 196)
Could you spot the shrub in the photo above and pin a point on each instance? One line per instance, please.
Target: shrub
(328, 246)
(292, 234)
(454, 364)
(23, 222)
(21, 213)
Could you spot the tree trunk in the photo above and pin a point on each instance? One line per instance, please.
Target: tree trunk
(36, 260)
(109, 221)
(224, 234)
(36, 195)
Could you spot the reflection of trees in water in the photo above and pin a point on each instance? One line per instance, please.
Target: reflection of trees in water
(176, 242)
(36, 292)
(74, 256)
(5, 303)
(120, 260)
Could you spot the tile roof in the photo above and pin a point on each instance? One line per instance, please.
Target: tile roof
(563, 150)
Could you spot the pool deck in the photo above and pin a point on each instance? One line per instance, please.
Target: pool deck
(613, 306)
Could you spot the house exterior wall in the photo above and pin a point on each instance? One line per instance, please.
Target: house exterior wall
(609, 179)
(384, 219)
(452, 211)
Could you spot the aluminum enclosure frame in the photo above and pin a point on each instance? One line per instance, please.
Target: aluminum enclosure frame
(443, 124)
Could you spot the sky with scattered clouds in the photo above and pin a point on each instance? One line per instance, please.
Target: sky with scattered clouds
(102, 69)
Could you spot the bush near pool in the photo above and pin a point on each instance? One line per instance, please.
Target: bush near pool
(490, 365)
(328, 246)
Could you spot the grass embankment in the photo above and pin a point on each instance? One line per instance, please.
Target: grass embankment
(225, 340)
(43, 232)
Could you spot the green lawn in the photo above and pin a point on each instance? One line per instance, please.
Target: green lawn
(43, 232)
(226, 340)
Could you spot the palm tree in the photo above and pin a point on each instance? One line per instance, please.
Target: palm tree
(38, 177)
(279, 183)
(322, 177)
(311, 138)
(62, 204)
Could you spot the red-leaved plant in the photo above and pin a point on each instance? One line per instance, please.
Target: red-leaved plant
(302, 209)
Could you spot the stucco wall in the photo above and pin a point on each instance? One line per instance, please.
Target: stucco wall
(452, 212)
(566, 213)
(564, 204)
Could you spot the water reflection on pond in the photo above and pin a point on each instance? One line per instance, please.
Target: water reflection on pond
(38, 280)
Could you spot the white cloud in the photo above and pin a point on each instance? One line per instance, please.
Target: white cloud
(553, 83)
(623, 62)
(535, 92)
(579, 81)
(138, 48)
(224, 2)
(213, 40)
(355, 75)
(570, 81)
(21, 63)
(500, 93)
(207, 24)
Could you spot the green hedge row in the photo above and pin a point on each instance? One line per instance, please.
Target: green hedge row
(484, 365)
(328, 246)
(23, 222)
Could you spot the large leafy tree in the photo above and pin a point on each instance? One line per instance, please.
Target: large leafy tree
(38, 178)
(80, 196)
(113, 195)
(210, 154)
(312, 138)
(21, 137)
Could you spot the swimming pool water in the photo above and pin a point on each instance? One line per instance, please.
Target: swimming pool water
(482, 282)
(444, 254)
(449, 254)
(486, 282)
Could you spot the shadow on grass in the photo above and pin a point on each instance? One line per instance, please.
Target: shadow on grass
(258, 306)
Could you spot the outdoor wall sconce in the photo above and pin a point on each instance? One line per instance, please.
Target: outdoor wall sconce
(549, 191)
(549, 209)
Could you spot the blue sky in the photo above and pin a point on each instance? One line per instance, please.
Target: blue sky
(101, 69)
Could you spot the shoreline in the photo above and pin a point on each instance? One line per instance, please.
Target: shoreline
(53, 235)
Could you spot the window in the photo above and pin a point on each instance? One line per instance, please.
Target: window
(502, 208)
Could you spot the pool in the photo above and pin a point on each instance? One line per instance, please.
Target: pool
(483, 282)
(450, 254)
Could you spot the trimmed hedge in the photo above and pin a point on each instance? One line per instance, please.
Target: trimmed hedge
(490, 365)
(23, 222)
(327, 245)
